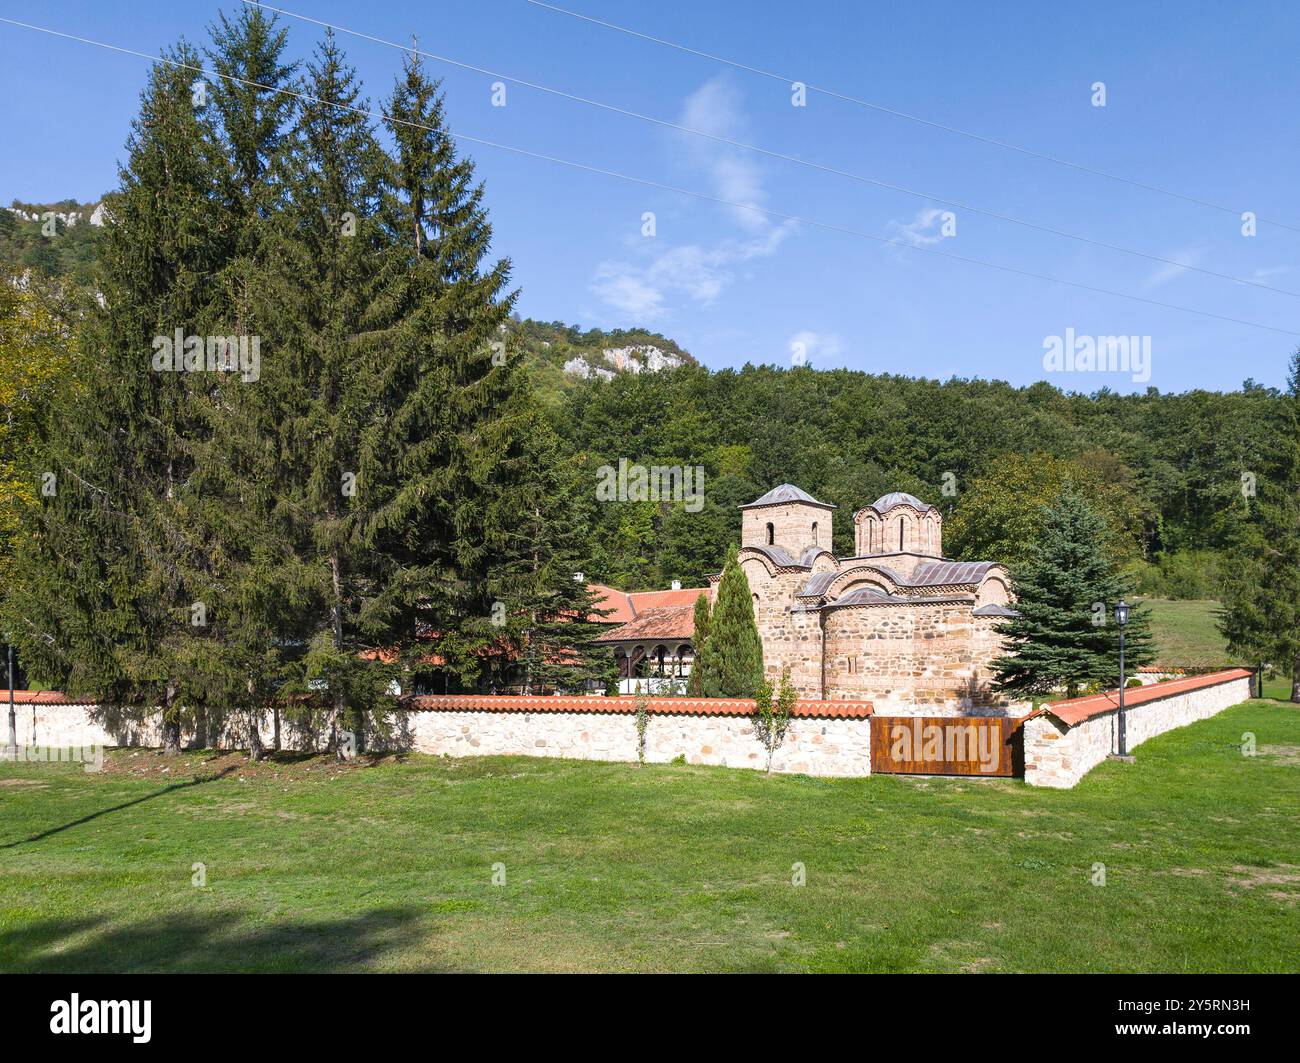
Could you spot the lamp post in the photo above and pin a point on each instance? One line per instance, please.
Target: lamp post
(1121, 618)
(13, 719)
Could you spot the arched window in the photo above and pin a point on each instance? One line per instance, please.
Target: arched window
(771, 535)
(814, 531)
(900, 534)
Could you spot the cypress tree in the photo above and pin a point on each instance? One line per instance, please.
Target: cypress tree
(733, 655)
(1064, 634)
(699, 640)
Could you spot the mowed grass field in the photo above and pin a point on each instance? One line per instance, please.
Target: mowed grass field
(612, 867)
(1187, 636)
(1186, 633)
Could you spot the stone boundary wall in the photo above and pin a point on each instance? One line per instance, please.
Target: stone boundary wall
(1067, 739)
(828, 738)
(1062, 741)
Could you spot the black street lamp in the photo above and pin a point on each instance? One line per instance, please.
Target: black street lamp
(1121, 618)
(13, 719)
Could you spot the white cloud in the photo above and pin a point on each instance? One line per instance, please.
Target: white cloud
(716, 108)
(1191, 256)
(925, 230)
(809, 348)
(628, 293)
(1268, 272)
(648, 284)
(644, 289)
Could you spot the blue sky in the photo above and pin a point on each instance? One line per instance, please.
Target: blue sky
(1200, 99)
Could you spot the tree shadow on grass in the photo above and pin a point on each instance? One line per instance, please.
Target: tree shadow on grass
(212, 942)
(117, 808)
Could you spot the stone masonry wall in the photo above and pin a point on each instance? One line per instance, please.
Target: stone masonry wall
(1058, 753)
(791, 635)
(813, 745)
(830, 747)
(927, 660)
(792, 526)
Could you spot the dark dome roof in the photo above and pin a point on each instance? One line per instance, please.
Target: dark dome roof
(885, 503)
(786, 493)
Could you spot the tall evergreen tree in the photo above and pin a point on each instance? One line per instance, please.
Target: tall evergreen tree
(251, 112)
(732, 660)
(699, 640)
(250, 628)
(1260, 618)
(101, 605)
(302, 472)
(1064, 634)
(545, 631)
(455, 491)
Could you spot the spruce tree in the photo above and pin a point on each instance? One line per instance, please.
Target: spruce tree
(1065, 634)
(699, 640)
(101, 605)
(732, 660)
(453, 485)
(298, 468)
(251, 630)
(545, 636)
(1260, 618)
(251, 111)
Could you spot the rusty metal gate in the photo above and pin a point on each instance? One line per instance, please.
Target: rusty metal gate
(947, 745)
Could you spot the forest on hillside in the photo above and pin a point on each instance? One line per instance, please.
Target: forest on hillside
(1167, 468)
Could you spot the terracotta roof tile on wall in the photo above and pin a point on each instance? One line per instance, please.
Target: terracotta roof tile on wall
(627, 706)
(1076, 710)
(42, 697)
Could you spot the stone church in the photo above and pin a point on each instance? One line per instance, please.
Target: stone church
(897, 623)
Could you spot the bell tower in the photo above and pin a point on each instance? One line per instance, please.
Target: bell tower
(898, 523)
(789, 518)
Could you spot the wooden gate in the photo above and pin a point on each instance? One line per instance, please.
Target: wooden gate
(947, 745)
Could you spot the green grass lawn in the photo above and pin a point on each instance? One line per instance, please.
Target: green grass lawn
(1186, 634)
(612, 867)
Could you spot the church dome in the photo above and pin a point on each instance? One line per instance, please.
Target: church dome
(885, 503)
(784, 494)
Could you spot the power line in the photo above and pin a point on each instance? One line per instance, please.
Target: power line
(646, 182)
(909, 117)
(777, 154)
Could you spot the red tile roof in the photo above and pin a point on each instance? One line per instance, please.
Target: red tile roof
(625, 607)
(627, 705)
(41, 697)
(672, 625)
(618, 603)
(1077, 710)
(643, 600)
